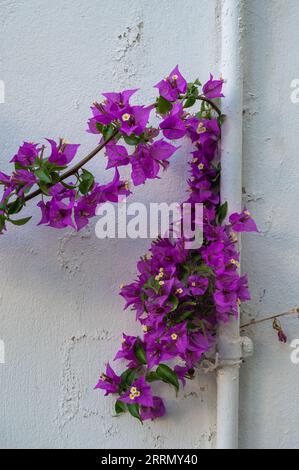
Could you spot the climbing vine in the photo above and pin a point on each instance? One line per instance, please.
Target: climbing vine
(180, 295)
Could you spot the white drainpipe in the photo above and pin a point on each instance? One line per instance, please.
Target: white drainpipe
(229, 342)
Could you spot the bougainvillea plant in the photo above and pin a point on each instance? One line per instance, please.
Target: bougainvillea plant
(180, 294)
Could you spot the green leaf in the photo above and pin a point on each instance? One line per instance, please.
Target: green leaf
(100, 127)
(166, 374)
(44, 188)
(163, 105)
(127, 378)
(134, 411)
(15, 207)
(152, 376)
(184, 316)
(189, 304)
(222, 213)
(2, 222)
(152, 284)
(68, 186)
(204, 270)
(140, 353)
(220, 119)
(120, 407)
(131, 139)
(108, 131)
(43, 176)
(86, 182)
(190, 102)
(54, 177)
(20, 221)
(174, 302)
(18, 166)
(53, 167)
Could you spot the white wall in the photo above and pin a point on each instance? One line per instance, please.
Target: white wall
(269, 381)
(61, 317)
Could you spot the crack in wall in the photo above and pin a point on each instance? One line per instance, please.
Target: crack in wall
(72, 387)
(129, 41)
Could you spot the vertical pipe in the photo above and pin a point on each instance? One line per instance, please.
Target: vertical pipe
(229, 346)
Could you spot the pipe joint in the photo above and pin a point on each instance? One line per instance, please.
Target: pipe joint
(237, 349)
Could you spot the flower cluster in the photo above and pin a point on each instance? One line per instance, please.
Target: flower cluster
(62, 204)
(181, 295)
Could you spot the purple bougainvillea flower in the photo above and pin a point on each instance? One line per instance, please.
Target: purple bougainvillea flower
(198, 285)
(27, 154)
(181, 372)
(226, 302)
(213, 88)
(24, 180)
(60, 214)
(140, 392)
(145, 160)
(143, 165)
(63, 153)
(112, 191)
(157, 352)
(109, 381)
(198, 345)
(168, 254)
(228, 281)
(108, 111)
(204, 131)
(117, 155)
(83, 211)
(134, 119)
(172, 86)
(243, 222)
(175, 340)
(276, 325)
(101, 116)
(213, 255)
(282, 336)
(127, 349)
(173, 126)
(60, 192)
(243, 291)
(120, 99)
(153, 412)
(162, 150)
(4, 179)
(131, 293)
(45, 209)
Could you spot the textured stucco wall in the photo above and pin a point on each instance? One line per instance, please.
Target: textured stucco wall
(269, 381)
(61, 316)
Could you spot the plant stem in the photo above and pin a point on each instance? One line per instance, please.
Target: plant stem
(213, 105)
(77, 167)
(294, 310)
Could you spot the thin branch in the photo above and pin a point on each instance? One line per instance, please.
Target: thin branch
(294, 310)
(77, 167)
(213, 105)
